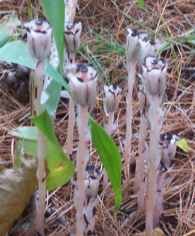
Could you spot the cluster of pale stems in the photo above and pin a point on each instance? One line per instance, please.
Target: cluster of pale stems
(155, 155)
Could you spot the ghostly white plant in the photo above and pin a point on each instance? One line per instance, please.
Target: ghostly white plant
(110, 102)
(72, 39)
(39, 37)
(141, 159)
(83, 82)
(154, 80)
(132, 57)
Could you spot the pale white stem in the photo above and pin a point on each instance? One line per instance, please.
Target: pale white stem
(82, 158)
(153, 163)
(38, 82)
(140, 165)
(71, 123)
(110, 126)
(129, 116)
(70, 10)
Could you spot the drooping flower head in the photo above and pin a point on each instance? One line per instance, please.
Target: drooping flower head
(39, 38)
(154, 72)
(72, 38)
(111, 98)
(132, 45)
(82, 82)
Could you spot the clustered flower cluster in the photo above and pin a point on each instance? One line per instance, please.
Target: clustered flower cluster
(141, 56)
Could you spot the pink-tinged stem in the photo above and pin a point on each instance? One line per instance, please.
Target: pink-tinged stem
(38, 83)
(153, 163)
(129, 116)
(82, 158)
(140, 165)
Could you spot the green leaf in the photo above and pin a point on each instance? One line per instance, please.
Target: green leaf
(26, 143)
(4, 37)
(109, 156)
(17, 52)
(53, 73)
(53, 90)
(54, 11)
(141, 3)
(60, 168)
(25, 132)
(183, 145)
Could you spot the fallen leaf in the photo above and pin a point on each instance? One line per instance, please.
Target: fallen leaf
(16, 188)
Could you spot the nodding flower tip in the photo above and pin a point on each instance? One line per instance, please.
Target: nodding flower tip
(111, 98)
(39, 38)
(72, 37)
(83, 81)
(154, 72)
(132, 45)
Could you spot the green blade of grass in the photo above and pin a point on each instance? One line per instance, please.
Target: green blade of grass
(54, 11)
(109, 156)
(60, 168)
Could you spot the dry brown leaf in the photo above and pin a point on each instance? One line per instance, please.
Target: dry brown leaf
(16, 188)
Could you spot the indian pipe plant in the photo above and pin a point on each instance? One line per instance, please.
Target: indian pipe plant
(39, 37)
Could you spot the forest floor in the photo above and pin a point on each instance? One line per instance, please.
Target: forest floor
(105, 24)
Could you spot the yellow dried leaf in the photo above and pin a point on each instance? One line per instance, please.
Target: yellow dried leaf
(183, 144)
(16, 189)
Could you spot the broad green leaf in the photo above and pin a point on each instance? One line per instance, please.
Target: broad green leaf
(53, 73)
(17, 52)
(54, 11)
(183, 145)
(28, 147)
(60, 168)
(4, 37)
(109, 156)
(53, 90)
(26, 142)
(25, 132)
(141, 3)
